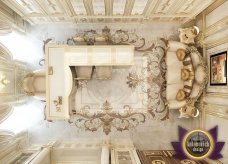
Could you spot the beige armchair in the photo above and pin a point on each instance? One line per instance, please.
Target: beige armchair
(83, 72)
(34, 84)
(103, 72)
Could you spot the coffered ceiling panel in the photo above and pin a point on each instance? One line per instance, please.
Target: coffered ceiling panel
(165, 6)
(98, 7)
(139, 7)
(29, 10)
(188, 6)
(27, 7)
(78, 6)
(107, 11)
(118, 7)
(52, 7)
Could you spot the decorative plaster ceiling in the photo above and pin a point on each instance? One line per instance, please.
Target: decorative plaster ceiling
(107, 11)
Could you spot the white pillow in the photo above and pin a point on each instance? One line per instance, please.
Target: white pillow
(199, 74)
(195, 59)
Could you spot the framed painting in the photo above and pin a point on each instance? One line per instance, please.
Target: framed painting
(218, 69)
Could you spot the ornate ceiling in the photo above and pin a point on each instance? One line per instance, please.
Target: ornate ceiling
(107, 11)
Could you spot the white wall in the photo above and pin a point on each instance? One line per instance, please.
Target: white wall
(213, 119)
(214, 26)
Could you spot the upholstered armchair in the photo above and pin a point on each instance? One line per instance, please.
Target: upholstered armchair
(34, 84)
(83, 72)
(103, 72)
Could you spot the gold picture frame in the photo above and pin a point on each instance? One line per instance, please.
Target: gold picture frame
(218, 69)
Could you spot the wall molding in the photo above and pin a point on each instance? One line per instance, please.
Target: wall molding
(211, 8)
(215, 94)
(217, 114)
(216, 43)
(10, 17)
(216, 110)
(41, 11)
(220, 25)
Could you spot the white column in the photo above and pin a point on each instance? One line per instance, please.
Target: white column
(105, 154)
(43, 157)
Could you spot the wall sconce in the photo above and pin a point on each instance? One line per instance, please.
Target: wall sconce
(3, 81)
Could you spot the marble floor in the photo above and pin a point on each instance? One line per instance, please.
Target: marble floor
(153, 134)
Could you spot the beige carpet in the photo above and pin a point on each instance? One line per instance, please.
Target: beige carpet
(141, 87)
(132, 95)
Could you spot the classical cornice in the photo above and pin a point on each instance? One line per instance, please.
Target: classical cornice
(218, 26)
(41, 11)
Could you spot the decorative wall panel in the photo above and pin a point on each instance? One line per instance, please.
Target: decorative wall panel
(14, 147)
(213, 22)
(10, 19)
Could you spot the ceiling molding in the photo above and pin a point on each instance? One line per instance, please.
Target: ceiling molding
(175, 6)
(216, 110)
(199, 8)
(68, 8)
(216, 94)
(10, 17)
(150, 7)
(107, 11)
(212, 6)
(216, 114)
(111, 17)
(128, 7)
(215, 43)
(217, 26)
(89, 7)
(108, 7)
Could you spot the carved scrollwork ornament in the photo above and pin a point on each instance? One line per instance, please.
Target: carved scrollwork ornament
(118, 37)
(199, 40)
(106, 118)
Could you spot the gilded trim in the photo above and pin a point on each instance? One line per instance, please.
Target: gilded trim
(216, 114)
